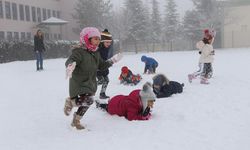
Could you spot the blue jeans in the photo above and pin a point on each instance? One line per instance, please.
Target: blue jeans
(39, 60)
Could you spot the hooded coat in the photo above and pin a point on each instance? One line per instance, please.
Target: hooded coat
(129, 106)
(83, 79)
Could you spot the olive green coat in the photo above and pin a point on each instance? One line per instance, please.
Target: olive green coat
(83, 79)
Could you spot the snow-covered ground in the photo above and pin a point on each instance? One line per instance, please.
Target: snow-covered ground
(203, 117)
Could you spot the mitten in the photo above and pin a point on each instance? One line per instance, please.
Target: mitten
(116, 58)
(70, 68)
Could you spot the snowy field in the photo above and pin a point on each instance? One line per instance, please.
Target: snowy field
(203, 117)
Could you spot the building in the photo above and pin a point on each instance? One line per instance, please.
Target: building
(236, 30)
(20, 19)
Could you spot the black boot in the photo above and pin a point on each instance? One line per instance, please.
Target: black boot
(103, 96)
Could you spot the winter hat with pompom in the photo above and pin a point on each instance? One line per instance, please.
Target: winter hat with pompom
(147, 94)
(88, 33)
(124, 69)
(106, 36)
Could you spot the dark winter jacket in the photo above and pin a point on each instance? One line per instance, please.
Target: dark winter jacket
(129, 106)
(104, 52)
(83, 79)
(38, 44)
(168, 89)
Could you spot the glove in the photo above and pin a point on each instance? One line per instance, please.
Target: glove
(70, 68)
(146, 112)
(199, 52)
(146, 117)
(116, 58)
(213, 52)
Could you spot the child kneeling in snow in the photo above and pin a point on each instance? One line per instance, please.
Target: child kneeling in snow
(135, 106)
(165, 88)
(128, 78)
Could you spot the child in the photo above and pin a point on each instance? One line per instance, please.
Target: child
(206, 58)
(135, 106)
(127, 77)
(81, 68)
(102, 75)
(165, 88)
(150, 64)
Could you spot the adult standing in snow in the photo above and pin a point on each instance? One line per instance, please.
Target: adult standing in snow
(165, 88)
(135, 106)
(82, 67)
(39, 49)
(150, 64)
(206, 58)
(102, 75)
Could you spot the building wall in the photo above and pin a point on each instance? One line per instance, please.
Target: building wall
(237, 28)
(17, 24)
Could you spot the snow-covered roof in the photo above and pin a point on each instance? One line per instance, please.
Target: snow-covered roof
(54, 21)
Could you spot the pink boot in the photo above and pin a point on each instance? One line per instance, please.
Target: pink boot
(204, 80)
(190, 78)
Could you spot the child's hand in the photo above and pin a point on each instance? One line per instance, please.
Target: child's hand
(70, 68)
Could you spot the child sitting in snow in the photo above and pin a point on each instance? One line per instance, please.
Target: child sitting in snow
(165, 88)
(150, 64)
(135, 106)
(127, 77)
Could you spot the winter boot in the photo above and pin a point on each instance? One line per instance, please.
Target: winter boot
(190, 78)
(103, 96)
(204, 80)
(69, 104)
(76, 122)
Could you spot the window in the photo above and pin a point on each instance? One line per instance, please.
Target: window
(54, 13)
(2, 36)
(29, 35)
(7, 10)
(58, 14)
(14, 11)
(33, 11)
(59, 36)
(39, 16)
(22, 36)
(47, 36)
(21, 12)
(44, 14)
(1, 9)
(27, 13)
(16, 36)
(9, 36)
(55, 36)
(49, 13)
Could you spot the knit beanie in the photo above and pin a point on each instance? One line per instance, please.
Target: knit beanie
(106, 36)
(146, 94)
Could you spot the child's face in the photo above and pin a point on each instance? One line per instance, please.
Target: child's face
(124, 74)
(156, 88)
(95, 41)
(107, 43)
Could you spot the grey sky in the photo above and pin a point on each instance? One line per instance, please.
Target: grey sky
(183, 5)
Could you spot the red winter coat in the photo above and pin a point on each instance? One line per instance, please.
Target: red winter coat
(128, 106)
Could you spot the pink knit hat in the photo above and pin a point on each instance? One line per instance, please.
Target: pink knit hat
(88, 33)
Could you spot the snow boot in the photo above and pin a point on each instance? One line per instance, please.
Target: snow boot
(76, 122)
(69, 104)
(190, 78)
(204, 80)
(103, 96)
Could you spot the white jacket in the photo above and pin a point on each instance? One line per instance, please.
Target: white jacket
(207, 54)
